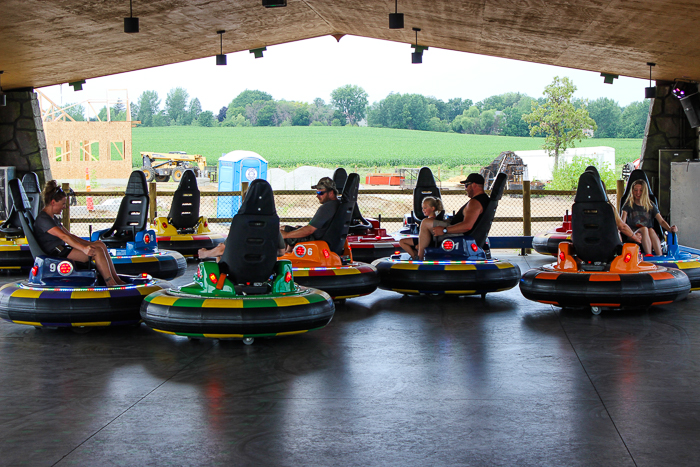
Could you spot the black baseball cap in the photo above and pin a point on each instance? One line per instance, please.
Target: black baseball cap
(473, 178)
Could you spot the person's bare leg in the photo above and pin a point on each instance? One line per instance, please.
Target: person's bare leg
(424, 237)
(105, 251)
(646, 241)
(100, 264)
(407, 245)
(656, 243)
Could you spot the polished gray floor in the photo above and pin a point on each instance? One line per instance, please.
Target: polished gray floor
(392, 380)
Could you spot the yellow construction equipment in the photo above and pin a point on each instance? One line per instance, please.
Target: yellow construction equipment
(160, 166)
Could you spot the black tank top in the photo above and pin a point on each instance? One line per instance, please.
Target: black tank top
(482, 198)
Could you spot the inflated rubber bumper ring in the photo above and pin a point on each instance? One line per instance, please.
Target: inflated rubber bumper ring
(99, 306)
(353, 280)
(164, 265)
(366, 252)
(458, 278)
(548, 244)
(237, 317)
(690, 268)
(576, 290)
(189, 245)
(16, 257)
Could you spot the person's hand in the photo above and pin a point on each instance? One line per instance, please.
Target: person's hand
(674, 229)
(90, 251)
(637, 237)
(437, 231)
(202, 253)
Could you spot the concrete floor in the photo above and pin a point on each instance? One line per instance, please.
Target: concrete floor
(391, 381)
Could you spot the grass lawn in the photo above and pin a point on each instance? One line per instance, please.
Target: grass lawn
(361, 147)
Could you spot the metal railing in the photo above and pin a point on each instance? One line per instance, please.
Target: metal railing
(520, 212)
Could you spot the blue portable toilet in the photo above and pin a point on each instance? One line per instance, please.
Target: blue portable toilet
(234, 168)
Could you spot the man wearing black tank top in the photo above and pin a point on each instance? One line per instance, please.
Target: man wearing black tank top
(462, 222)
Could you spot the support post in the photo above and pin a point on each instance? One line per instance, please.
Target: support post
(527, 215)
(620, 191)
(66, 211)
(153, 198)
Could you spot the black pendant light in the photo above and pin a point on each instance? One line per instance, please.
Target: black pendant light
(417, 55)
(650, 92)
(221, 58)
(131, 24)
(396, 18)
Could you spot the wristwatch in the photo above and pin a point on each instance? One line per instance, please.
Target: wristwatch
(444, 230)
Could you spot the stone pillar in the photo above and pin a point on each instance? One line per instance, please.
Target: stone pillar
(22, 140)
(667, 128)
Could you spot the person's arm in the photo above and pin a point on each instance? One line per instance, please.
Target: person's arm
(627, 230)
(623, 216)
(664, 224)
(471, 214)
(299, 233)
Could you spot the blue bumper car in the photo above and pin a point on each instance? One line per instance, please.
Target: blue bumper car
(58, 293)
(458, 265)
(133, 247)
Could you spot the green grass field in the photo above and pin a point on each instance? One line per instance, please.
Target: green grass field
(350, 146)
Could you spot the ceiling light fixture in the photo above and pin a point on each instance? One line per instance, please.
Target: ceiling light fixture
(77, 85)
(274, 3)
(131, 24)
(650, 92)
(417, 56)
(258, 53)
(221, 58)
(3, 98)
(396, 18)
(608, 77)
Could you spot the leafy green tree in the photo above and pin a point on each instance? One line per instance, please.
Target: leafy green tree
(499, 102)
(175, 105)
(566, 176)
(222, 114)
(267, 114)
(455, 107)
(149, 106)
(351, 101)
(206, 118)
(402, 111)
(558, 120)
(633, 121)
(320, 113)
(193, 111)
(161, 119)
(513, 124)
(247, 97)
(301, 116)
(102, 114)
(76, 112)
(608, 117)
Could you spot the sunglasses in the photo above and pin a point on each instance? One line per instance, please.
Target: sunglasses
(467, 184)
(320, 193)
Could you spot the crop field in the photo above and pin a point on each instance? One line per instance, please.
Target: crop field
(351, 146)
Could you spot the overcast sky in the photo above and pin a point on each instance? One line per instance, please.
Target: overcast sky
(305, 70)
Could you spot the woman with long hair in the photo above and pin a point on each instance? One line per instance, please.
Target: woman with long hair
(55, 240)
(639, 214)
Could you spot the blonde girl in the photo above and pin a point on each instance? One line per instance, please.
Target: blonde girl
(431, 208)
(639, 214)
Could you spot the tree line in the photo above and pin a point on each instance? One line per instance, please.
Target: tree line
(501, 114)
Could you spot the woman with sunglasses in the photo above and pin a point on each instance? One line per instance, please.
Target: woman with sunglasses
(55, 240)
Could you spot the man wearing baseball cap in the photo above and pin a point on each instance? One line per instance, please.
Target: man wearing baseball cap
(462, 222)
(327, 195)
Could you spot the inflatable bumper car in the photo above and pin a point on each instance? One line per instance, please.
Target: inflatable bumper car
(184, 230)
(59, 294)
(367, 239)
(597, 270)
(327, 263)
(673, 256)
(133, 248)
(14, 249)
(459, 265)
(548, 242)
(249, 293)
